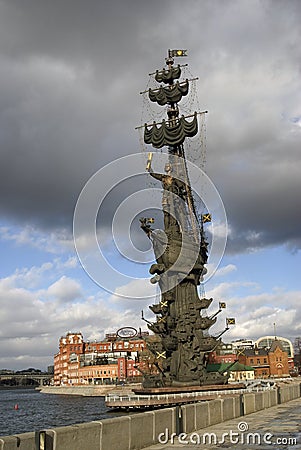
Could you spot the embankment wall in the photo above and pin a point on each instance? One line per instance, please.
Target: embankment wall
(89, 391)
(136, 431)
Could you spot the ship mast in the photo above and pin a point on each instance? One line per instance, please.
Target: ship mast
(178, 150)
(182, 330)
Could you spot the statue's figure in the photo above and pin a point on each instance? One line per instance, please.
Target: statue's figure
(173, 198)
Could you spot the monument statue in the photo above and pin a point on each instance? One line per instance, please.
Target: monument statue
(181, 249)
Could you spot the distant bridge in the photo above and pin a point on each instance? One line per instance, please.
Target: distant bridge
(41, 379)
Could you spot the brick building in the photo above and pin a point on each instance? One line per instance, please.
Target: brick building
(65, 361)
(287, 345)
(127, 369)
(98, 374)
(273, 361)
(267, 363)
(104, 362)
(279, 361)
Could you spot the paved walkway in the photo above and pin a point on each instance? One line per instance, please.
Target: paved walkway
(274, 428)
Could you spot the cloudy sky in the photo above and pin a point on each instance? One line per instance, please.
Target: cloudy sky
(70, 77)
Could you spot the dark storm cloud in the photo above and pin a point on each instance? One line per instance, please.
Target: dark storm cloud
(70, 76)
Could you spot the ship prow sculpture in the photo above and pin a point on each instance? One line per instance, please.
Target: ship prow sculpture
(181, 325)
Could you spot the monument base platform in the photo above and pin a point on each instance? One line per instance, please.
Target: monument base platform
(182, 389)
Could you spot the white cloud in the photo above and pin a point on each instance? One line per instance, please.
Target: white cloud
(37, 276)
(65, 290)
(223, 271)
(32, 320)
(225, 290)
(138, 288)
(30, 327)
(256, 314)
(69, 263)
(55, 241)
(29, 277)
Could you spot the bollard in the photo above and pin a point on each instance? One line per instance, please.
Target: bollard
(40, 440)
(241, 403)
(278, 395)
(179, 420)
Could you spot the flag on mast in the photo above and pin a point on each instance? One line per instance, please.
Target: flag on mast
(173, 53)
(230, 321)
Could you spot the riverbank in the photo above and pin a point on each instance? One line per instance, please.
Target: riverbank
(89, 391)
(11, 388)
(141, 430)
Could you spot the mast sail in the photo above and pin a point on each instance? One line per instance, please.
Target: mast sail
(170, 94)
(168, 75)
(168, 134)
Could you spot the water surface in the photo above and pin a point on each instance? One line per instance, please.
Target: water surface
(38, 411)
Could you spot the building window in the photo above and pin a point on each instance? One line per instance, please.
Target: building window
(251, 361)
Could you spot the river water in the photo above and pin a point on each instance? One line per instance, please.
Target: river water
(36, 411)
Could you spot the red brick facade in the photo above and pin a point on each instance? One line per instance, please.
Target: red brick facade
(104, 362)
(66, 360)
(267, 363)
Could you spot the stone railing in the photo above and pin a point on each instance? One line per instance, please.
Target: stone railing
(136, 431)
